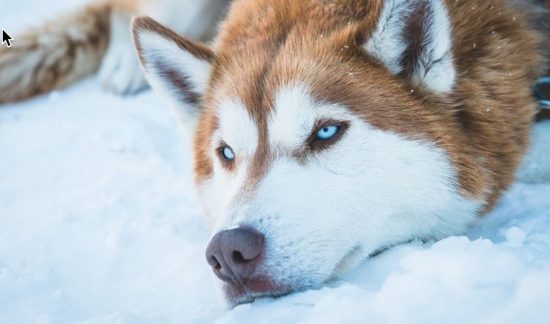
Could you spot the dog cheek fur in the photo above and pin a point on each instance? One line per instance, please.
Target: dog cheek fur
(315, 214)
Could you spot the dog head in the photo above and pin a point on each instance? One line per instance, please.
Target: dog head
(320, 136)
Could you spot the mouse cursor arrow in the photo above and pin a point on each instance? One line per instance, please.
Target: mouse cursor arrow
(6, 39)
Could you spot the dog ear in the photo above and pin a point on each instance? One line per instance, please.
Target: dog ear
(177, 68)
(413, 39)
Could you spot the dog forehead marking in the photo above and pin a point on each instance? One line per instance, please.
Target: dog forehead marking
(292, 118)
(296, 113)
(236, 128)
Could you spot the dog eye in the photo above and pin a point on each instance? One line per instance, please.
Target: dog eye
(227, 153)
(327, 132)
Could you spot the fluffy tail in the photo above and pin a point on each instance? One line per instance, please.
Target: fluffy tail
(54, 55)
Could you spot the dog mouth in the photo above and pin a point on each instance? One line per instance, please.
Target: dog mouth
(263, 286)
(254, 288)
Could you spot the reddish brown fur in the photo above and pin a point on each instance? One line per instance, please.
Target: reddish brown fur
(74, 48)
(484, 124)
(76, 44)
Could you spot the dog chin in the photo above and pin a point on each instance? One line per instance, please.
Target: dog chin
(263, 286)
(252, 289)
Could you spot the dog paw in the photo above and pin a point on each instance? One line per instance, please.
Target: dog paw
(120, 71)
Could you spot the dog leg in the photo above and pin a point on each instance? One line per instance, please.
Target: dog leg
(120, 71)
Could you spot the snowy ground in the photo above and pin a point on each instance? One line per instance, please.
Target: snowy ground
(99, 224)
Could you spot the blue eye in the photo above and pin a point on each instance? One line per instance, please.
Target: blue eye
(227, 153)
(327, 132)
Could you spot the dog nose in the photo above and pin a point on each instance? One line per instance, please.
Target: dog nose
(233, 254)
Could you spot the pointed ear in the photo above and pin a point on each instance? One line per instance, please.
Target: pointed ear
(413, 39)
(177, 68)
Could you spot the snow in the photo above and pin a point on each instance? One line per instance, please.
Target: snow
(99, 224)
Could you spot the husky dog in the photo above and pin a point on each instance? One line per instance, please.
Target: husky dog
(326, 131)
(98, 36)
(329, 130)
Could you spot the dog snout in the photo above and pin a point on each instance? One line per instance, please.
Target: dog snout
(234, 254)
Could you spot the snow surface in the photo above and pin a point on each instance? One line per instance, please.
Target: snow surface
(99, 224)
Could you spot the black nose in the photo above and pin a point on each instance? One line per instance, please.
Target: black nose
(234, 254)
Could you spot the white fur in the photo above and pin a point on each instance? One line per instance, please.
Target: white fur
(387, 43)
(120, 71)
(291, 126)
(435, 69)
(156, 49)
(236, 129)
(371, 190)
(240, 132)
